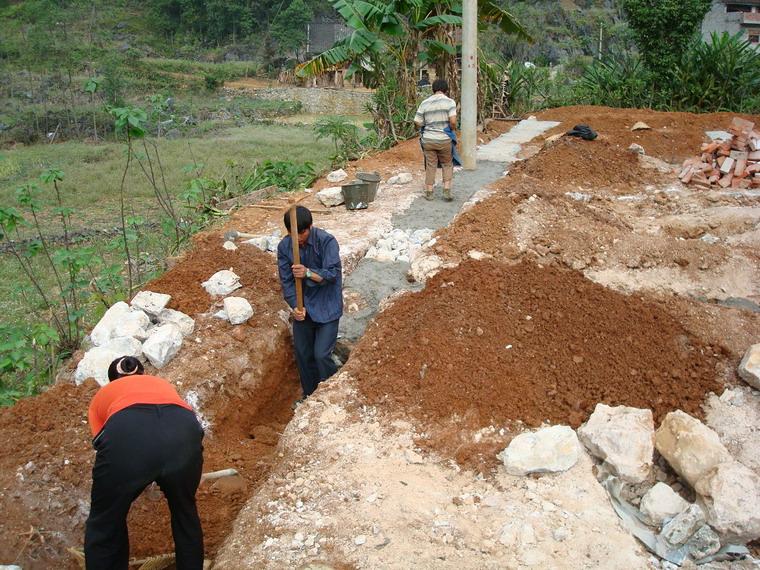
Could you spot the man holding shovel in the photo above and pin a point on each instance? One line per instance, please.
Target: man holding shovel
(308, 261)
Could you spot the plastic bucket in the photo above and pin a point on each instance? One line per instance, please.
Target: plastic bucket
(356, 195)
(373, 181)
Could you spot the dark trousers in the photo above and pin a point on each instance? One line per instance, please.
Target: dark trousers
(314, 343)
(139, 445)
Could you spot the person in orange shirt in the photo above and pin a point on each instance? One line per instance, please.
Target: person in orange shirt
(143, 432)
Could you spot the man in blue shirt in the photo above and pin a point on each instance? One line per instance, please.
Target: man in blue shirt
(315, 328)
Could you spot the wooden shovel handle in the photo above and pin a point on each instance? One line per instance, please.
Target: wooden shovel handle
(296, 255)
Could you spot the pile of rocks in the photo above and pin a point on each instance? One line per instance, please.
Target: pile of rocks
(401, 245)
(726, 509)
(145, 329)
(267, 242)
(236, 310)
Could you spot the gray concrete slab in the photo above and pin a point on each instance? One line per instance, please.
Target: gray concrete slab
(375, 280)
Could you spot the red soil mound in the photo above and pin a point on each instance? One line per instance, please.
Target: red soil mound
(527, 343)
(579, 164)
(672, 137)
(255, 268)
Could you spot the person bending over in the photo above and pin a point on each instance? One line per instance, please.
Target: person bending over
(143, 432)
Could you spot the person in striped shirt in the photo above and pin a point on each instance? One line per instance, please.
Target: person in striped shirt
(436, 115)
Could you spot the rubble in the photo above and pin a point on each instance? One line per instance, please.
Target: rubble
(185, 323)
(681, 527)
(163, 343)
(150, 303)
(118, 321)
(660, 503)
(222, 283)
(749, 368)
(95, 362)
(622, 437)
(266, 242)
(337, 175)
(332, 196)
(727, 162)
(730, 495)
(400, 245)
(237, 309)
(550, 449)
(691, 448)
(402, 178)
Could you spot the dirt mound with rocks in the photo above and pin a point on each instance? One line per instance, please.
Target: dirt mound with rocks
(532, 344)
(576, 164)
(255, 268)
(672, 136)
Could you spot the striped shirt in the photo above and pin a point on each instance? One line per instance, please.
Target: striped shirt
(433, 115)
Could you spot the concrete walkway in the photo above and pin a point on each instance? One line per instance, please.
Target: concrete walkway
(373, 280)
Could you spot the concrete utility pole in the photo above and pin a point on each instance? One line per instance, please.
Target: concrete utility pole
(469, 83)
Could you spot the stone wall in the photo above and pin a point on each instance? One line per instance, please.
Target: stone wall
(317, 100)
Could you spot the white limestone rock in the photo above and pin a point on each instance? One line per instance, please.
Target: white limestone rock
(551, 449)
(730, 496)
(185, 323)
(262, 242)
(151, 303)
(222, 283)
(425, 266)
(661, 503)
(337, 176)
(238, 310)
(96, 361)
(163, 344)
(681, 527)
(622, 437)
(691, 448)
(229, 245)
(332, 196)
(402, 178)
(120, 320)
(749, 368)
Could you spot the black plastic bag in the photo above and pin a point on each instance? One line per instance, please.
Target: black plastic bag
(583, 131)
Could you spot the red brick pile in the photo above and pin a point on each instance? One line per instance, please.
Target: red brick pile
(734, 163)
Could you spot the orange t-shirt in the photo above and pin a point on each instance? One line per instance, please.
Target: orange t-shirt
(127, 391)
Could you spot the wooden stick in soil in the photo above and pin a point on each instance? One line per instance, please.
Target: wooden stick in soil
(296, 255)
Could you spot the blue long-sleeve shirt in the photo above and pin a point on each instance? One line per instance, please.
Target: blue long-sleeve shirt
(321, 255)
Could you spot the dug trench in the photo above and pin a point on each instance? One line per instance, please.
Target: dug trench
(243, 379)
(453, 362)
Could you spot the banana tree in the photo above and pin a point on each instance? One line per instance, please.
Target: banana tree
(398, 36)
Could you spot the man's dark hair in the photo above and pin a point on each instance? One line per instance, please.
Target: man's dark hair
(441, 85)
(124, 366)
(303, 218)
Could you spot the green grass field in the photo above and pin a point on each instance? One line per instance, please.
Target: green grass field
(93, 171)
(93, 174)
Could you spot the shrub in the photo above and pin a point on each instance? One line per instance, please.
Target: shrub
(617, 81)
(720, 75)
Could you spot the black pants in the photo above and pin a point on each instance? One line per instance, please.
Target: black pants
(314, 344)
(139, 445)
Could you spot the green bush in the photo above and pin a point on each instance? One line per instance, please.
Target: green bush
(617, 81)
(28, 359)
(720, 75)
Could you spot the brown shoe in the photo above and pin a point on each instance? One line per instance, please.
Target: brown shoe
(428, 196)
(447, 196)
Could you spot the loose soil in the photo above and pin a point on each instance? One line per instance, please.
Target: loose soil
(46, 467)
(673, 137)
(529, 343)
(437, 358)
